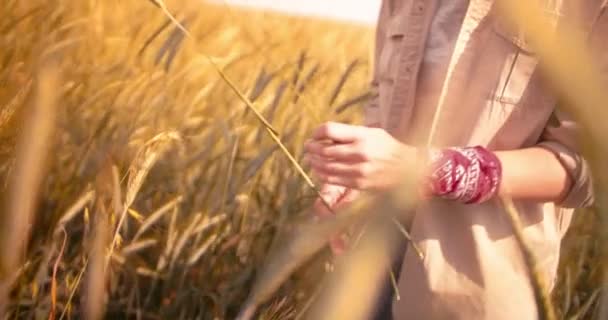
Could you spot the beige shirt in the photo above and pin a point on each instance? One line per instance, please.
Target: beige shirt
(494, 97)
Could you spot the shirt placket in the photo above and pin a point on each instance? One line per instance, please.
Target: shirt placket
(416, 24)
(459, 62)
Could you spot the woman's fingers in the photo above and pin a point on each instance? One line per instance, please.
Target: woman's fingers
(338, 152)
(332, 195)
(349, 197)
(348, 182)
(337, 197)
(346, 174)
(338, 132)
(322, 166)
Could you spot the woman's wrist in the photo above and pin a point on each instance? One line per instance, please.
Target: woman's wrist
(467, 175)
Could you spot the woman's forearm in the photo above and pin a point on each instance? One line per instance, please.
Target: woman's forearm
(475, 175)
(371, 159)
(533, 174)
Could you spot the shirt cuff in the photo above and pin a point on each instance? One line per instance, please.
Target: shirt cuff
(580, 194)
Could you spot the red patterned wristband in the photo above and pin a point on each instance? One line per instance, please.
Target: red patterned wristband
(467, 175)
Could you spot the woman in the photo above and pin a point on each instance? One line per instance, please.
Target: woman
(497, 134)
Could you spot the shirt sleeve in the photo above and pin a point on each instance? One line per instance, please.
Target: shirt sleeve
(372, 108)
(561, 138)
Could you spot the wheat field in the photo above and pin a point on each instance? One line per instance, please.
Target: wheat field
(138, 184)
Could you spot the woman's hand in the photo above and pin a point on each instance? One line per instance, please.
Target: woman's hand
(358, 157)
(336, 197)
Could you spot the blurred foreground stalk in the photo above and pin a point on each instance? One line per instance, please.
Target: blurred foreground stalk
(573, 68)
(34, 145)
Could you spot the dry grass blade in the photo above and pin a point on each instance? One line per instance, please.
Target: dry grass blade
(235, 146)
(280, 310)
(582, 313)
(200, 251)
(272, 108)
(220, 71)
(154, 217)
(567, 296)
(358, 279)
(362, 98)
(170, 47)
(349, 70)
(299, 68)
(146, 158)
(307, 239)
(305, 308)
(258, 162)
(303, 242)
(54, 277)
(277, 99)
(261, 83)
(407, 235)
(76, 208)
(545, 308)
(305, 82)
(116, 191)
(138, 246)
(181, 241)
(74, 289)
(208, 223)
(8, 111)
(161, 4)
(271, 131)
(30, 13)
(153, 36)
(241, 96)
(148, 273)
(575, 76)
(290, 157)
(171, 238)
(94, 297)
(34, 144)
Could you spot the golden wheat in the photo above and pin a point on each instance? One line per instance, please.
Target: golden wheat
(156, 187)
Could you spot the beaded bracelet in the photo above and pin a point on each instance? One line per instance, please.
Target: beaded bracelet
(467, 175)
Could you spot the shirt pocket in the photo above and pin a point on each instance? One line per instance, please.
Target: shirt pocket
(523, 61)
(519, 66)
(520, 102)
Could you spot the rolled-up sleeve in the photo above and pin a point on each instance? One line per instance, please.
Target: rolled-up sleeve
(561, 138)
(562, 135)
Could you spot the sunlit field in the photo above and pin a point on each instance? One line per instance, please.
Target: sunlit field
(137, 183)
